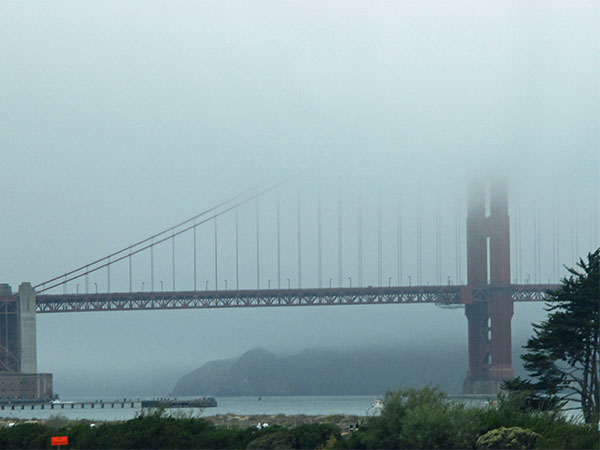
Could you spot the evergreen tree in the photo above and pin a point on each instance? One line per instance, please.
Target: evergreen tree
(562, 357)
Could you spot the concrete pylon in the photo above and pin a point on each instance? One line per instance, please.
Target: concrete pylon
(488, 262)
(27, 325)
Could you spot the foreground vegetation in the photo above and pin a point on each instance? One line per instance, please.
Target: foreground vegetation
(155, 431)
(409, 419)
(562, 357)
(426, 419)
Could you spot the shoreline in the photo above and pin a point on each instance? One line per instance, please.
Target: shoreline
(342, 421)
(228, 420)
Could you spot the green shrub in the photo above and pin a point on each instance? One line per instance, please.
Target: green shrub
(312, 435)
(281, 439)
(554, 429)
(413, 418)
(25, 436)
(508, 438)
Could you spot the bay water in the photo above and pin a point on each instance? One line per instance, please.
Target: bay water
(360, 405)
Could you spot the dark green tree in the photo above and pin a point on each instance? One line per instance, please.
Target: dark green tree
(563, 355)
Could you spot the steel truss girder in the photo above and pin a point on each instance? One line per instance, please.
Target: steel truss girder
(137, 301)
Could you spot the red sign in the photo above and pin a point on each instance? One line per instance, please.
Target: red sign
(59, 440)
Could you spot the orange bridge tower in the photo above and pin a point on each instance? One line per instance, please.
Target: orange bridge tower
(488, 263)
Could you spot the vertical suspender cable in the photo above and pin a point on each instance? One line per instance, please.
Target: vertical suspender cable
(173, 256)
(440, 269)
(379, 241)
(595, 222)
(257, 247)
(237, 252)
(557, 215)
(419, 271)
(152, 265)
(576, 233)
(554, 242)
(539, 244)
(459, 231)
(572, 234)
(216, 256)
(108, 276)
(438, 276)
(319, 256)
(130, 274)
(399, 242)
(591, 217)
(514, 235)
(513, 239)
(195, 260)
(539, 238)
(299, 241)
(278, 244)
(339, 201)
(519, 241)
(438, 240)
(535, 243)
(456, 249)
(360, 237)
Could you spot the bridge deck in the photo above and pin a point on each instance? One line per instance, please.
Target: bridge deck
(130, 301)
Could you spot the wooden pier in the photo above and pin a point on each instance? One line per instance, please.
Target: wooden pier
(116, 404)
(72, 405)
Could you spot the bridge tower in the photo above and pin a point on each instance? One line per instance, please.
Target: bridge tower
(488, 263)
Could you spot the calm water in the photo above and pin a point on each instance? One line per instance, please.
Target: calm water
(361, 405)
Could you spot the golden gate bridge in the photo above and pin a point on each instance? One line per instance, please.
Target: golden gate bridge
(487, 296)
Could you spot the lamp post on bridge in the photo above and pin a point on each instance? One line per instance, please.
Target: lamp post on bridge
(225, 284)
(330, 282)
(142, 287)
(96, 287)
(390, 282)
(350, 280)
(162, 289)
(289, 284)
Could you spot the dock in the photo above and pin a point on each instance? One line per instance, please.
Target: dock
(209, 402)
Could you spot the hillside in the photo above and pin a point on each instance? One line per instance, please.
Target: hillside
(325, 372)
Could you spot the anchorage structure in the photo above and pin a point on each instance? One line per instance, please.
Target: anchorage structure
(18, 363)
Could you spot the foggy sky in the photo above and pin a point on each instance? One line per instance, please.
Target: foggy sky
(119, 119)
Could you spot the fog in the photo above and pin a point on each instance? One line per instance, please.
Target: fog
(121, 119)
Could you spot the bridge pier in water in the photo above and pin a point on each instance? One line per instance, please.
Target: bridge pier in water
(488, 263)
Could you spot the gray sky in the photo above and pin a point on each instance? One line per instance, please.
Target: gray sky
(119, 119)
